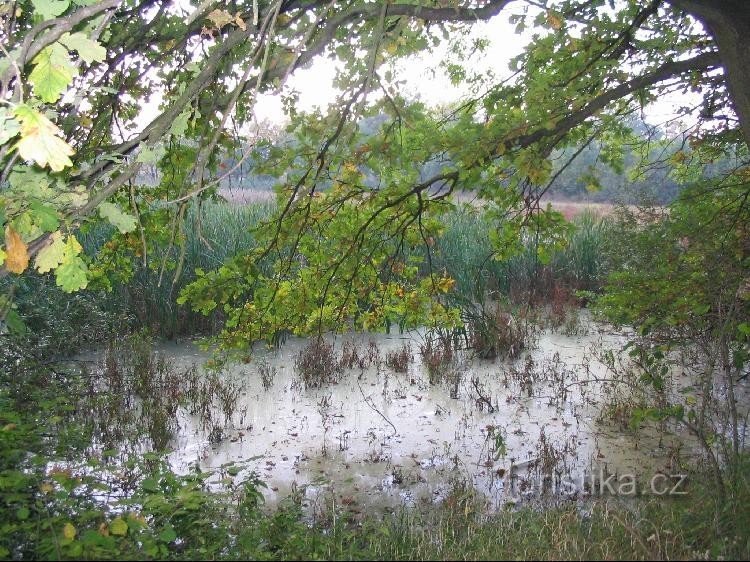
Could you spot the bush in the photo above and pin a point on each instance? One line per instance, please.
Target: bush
(317, 364)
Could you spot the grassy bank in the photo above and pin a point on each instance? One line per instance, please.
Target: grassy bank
(696, 527)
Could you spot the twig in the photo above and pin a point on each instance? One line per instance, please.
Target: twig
(368, 401)
(482, 397)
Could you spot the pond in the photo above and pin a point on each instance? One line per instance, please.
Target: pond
(514, 431)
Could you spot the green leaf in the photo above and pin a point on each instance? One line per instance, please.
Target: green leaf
(179, 125)
(44, 217)
(151, 154)
(33, 183)
(168, 534)
(14, 322)
(53, 72)
(88, 49)
(118, 527)
(71, 274)
(150, 485)
(23, 513)
(9, 127)
(39, 141)
(49, 9)
(123, 221)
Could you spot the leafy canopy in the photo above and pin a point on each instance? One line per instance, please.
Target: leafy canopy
(354, 210)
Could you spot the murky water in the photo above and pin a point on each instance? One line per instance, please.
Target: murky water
(380, 439)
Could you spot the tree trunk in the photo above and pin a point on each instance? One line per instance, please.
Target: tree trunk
(728, 22)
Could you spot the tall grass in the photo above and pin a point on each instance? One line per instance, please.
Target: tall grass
(696, 526)
(216, 231)
(464, 250)
(582, 262)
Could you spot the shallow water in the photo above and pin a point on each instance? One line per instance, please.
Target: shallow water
(380, 439)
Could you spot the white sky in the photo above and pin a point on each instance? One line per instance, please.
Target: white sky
(426, 80)
(423, 76)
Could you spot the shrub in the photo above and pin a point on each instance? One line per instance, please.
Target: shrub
(317, 364)
(399, 359)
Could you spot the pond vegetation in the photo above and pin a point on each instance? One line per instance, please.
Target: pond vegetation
(337, 446)
(378, 328)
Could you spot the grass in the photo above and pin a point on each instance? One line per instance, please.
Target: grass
(218, 231)
(465, 252)
(215, 233)
(698, 526)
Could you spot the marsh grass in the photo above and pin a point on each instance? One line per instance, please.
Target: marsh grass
(215, 232)
(698, 526)
(138, 392)
(317, 364)
(495, 332)
(400, 359)
(465, 252)
(439, 358)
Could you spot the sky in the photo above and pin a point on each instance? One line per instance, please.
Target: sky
(424, 79)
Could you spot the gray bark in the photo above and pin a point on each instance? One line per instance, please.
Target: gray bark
(728, 22)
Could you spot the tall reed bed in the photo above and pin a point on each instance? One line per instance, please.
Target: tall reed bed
(214, 232)
(464, 250)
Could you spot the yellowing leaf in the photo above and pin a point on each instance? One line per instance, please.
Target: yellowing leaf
(51, 255)
(72, 247)
(220, 18)
(554, 21)
(16, 252)
(118, 527)
(89, 50)
(53, 72)
(2, 256)
(446, 284)
(238, 21)
(39, 141)
(72, 273)
(69, 531)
